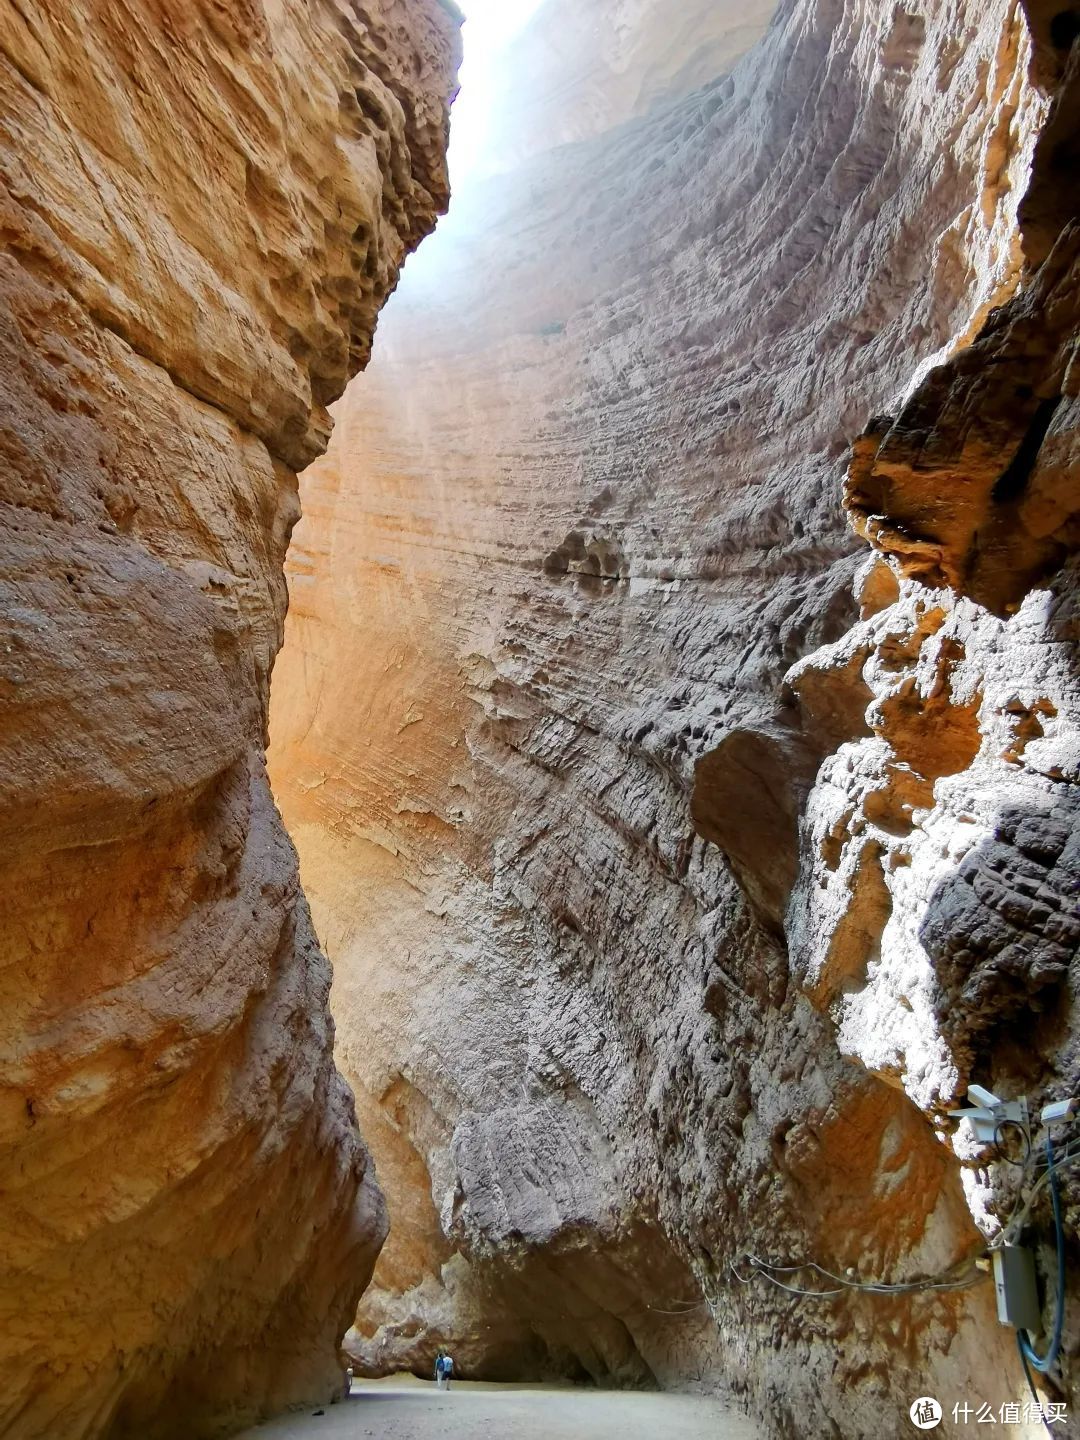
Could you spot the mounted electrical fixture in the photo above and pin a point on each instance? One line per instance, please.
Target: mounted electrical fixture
(990, 1113)
(1059, 1112)
(1015, 1281)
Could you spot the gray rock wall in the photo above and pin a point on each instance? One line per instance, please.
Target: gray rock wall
(654, 876)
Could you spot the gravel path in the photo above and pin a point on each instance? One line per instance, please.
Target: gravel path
(408, 1409)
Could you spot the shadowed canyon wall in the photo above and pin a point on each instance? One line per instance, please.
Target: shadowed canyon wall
(681, 858)
(203, 208)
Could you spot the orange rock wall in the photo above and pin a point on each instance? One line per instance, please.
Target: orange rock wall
(203, 208)
(668, 913)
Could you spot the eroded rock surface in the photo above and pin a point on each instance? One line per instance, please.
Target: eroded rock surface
(673, 890)
(203, 208)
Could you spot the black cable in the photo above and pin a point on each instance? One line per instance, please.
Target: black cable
(1016, 1125)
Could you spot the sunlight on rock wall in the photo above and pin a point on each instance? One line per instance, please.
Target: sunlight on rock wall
(671, 902)
(204, 207)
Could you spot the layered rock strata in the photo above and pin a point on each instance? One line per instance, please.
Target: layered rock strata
(672, 902)
(578, 70)
(203, 207)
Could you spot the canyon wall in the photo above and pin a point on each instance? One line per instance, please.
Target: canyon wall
(204, 207)
(682, 858)
(578, 70)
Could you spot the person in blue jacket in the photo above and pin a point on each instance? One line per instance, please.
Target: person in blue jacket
(444, 1368)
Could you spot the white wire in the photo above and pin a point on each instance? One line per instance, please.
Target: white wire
(882, 1286)
(1020, 1212)
(1022, 1208)
(769, 1271)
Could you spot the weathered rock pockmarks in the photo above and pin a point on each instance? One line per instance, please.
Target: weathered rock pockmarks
(960, 815)
(200, 225)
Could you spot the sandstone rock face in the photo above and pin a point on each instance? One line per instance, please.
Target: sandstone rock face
(203, 208)
(578, 70)
(674, 891)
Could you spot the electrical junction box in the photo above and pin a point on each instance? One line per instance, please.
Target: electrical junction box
(1017, 1292)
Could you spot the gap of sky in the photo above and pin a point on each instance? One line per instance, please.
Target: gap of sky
(489, 27)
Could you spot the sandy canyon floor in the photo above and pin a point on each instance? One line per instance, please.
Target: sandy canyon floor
(408, 1409)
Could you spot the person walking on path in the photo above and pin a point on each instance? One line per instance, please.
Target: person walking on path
(444, 1368)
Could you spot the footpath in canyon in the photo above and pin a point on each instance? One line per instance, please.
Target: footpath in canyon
(413, 1410)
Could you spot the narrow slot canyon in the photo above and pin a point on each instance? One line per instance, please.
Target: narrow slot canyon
(539, 718)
